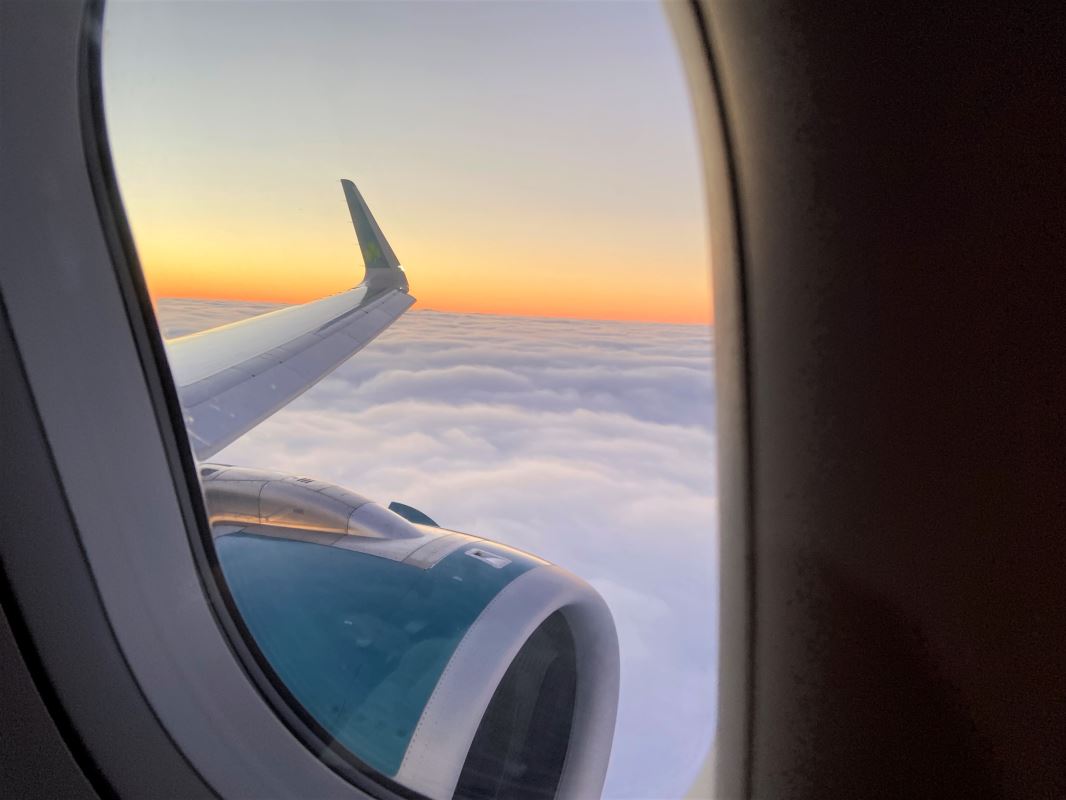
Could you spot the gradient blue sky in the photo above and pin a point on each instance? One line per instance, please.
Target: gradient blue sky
(534, 158)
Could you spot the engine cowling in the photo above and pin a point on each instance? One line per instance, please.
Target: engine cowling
(454, 665)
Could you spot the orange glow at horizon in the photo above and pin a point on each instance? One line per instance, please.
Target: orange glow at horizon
(304, 259)
(218, 280)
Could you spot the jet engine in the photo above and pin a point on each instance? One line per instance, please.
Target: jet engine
(456, 666)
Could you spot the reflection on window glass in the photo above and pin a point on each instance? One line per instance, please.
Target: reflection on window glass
(434, 282)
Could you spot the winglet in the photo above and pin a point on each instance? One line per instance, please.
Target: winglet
(376, 251)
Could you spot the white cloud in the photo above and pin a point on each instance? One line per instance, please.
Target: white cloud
(587, 443)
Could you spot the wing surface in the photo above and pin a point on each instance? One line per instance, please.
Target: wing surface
(233, 377)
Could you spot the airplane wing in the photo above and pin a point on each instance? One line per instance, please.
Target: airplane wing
(233, 377)
(414, 646)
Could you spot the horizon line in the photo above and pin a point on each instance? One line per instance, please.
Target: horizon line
(703, 323)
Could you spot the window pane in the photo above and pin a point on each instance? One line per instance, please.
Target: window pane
(387, 486)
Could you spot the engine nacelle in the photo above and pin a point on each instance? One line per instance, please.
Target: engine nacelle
(454, 665)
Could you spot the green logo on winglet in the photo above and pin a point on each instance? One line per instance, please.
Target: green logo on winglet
(373, 252)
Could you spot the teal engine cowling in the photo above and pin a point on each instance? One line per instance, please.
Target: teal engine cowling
(454, 665)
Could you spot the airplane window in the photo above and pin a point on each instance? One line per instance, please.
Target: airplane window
(434, 284)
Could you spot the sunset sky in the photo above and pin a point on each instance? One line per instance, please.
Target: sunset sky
(532, 159)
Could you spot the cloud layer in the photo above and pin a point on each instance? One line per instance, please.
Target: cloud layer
(588, 443)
